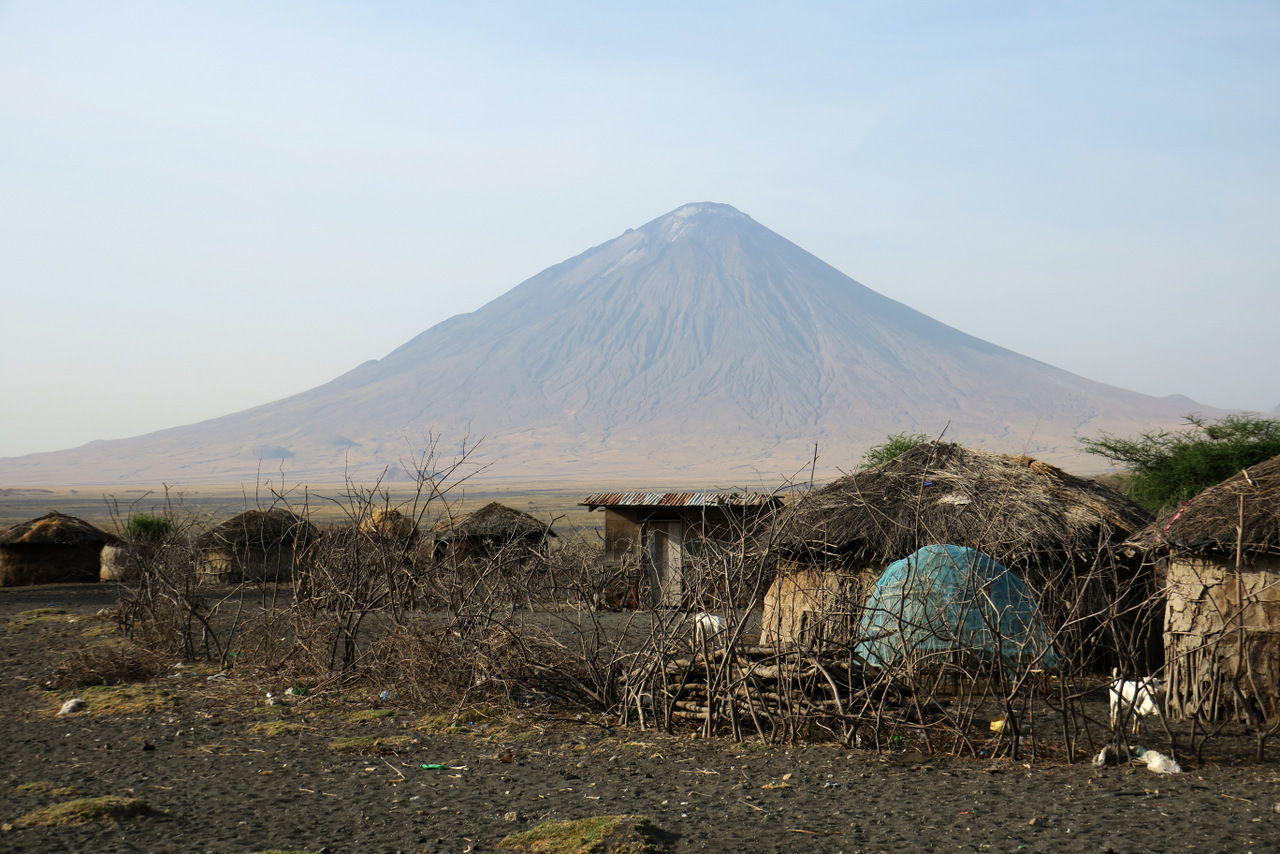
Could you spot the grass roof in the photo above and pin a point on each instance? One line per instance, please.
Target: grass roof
(260, 529)
(496, 522)
(55, 529)
(1207, 523)
(1020, 511)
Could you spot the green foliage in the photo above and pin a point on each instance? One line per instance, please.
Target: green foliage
(143, 527)
(606, 834)
(894, 446)
(1167, 467)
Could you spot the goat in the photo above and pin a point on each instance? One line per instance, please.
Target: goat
(1137, 697)
(707, 628)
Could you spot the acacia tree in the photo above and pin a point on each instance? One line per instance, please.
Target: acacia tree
(1166, 467)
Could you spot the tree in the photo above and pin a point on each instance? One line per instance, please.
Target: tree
(143, 527)
(894, 446)
(1166, 467)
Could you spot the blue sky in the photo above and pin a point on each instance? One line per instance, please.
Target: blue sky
(207, 206)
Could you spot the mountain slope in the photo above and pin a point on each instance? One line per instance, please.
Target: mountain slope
(701, 346)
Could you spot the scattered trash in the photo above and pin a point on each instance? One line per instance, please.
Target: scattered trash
(997, 725)
(1106, 756)
(387, 696)
(221, 674)
(71, 706)
(273, 700)
(431, 767)
(1158, 762)
(296, 692)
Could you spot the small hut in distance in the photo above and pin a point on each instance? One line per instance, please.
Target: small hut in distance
(389, 525)
(493, 531)
(1042, 523)
(257, 545)
(1222, 624)
(54, 549)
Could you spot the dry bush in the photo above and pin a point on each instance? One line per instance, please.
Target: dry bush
(108, 663)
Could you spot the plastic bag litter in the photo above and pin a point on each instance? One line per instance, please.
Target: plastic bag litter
(1159, 763)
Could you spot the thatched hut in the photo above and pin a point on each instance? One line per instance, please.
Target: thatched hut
(1047, 526)
(1219, 555)
(53, 549)
(389, 524)
(494, 530)
(257, 545)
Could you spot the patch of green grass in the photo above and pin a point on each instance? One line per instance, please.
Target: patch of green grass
(607, 834)
(44, 787)
(370, 745)
(84, 810)
(106, 700)
(24, 620)
(274, 728)
(479, 719)
(371, 715)
(100, 628)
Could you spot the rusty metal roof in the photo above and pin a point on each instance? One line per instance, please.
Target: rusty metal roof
(680, 499)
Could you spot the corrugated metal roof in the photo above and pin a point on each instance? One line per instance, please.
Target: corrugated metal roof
(679, 499)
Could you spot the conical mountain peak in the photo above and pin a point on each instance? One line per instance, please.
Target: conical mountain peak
(699, 347)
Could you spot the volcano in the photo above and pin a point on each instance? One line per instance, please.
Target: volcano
(699, 348)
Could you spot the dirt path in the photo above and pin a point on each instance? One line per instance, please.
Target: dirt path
(222, 785)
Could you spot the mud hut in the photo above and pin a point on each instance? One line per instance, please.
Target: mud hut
(1047, 526)
(257, 545)
(1219, 556)
(494, 530)
(53, 549)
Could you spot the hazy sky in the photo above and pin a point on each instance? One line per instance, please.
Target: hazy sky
(207, 206)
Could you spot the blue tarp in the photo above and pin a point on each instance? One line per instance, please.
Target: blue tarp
(952, 598)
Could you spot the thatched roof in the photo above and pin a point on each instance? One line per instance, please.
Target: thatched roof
(260, 529)
(1207, 523)
(1020, 511)
(55, 529)
(390, 524)
(496, 522)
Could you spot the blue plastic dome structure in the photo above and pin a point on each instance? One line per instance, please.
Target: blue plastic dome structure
(953, 599)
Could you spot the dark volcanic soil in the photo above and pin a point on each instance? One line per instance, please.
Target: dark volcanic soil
(221, 788)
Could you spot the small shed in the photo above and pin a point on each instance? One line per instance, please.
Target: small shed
(663, 532)
(952, 605)
(1219, 555)
(257, 545)
(493, 531)
(1056, 531)
(54, 549)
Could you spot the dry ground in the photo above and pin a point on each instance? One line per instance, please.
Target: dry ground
(227, 773)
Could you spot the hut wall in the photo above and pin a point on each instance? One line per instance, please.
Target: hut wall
(621, 536)
(275, 564)
(24, 563)
(120, 563)
(801, 606)
(1202, 635)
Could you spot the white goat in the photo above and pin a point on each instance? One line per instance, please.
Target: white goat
(1138, 698)
(707, 629)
